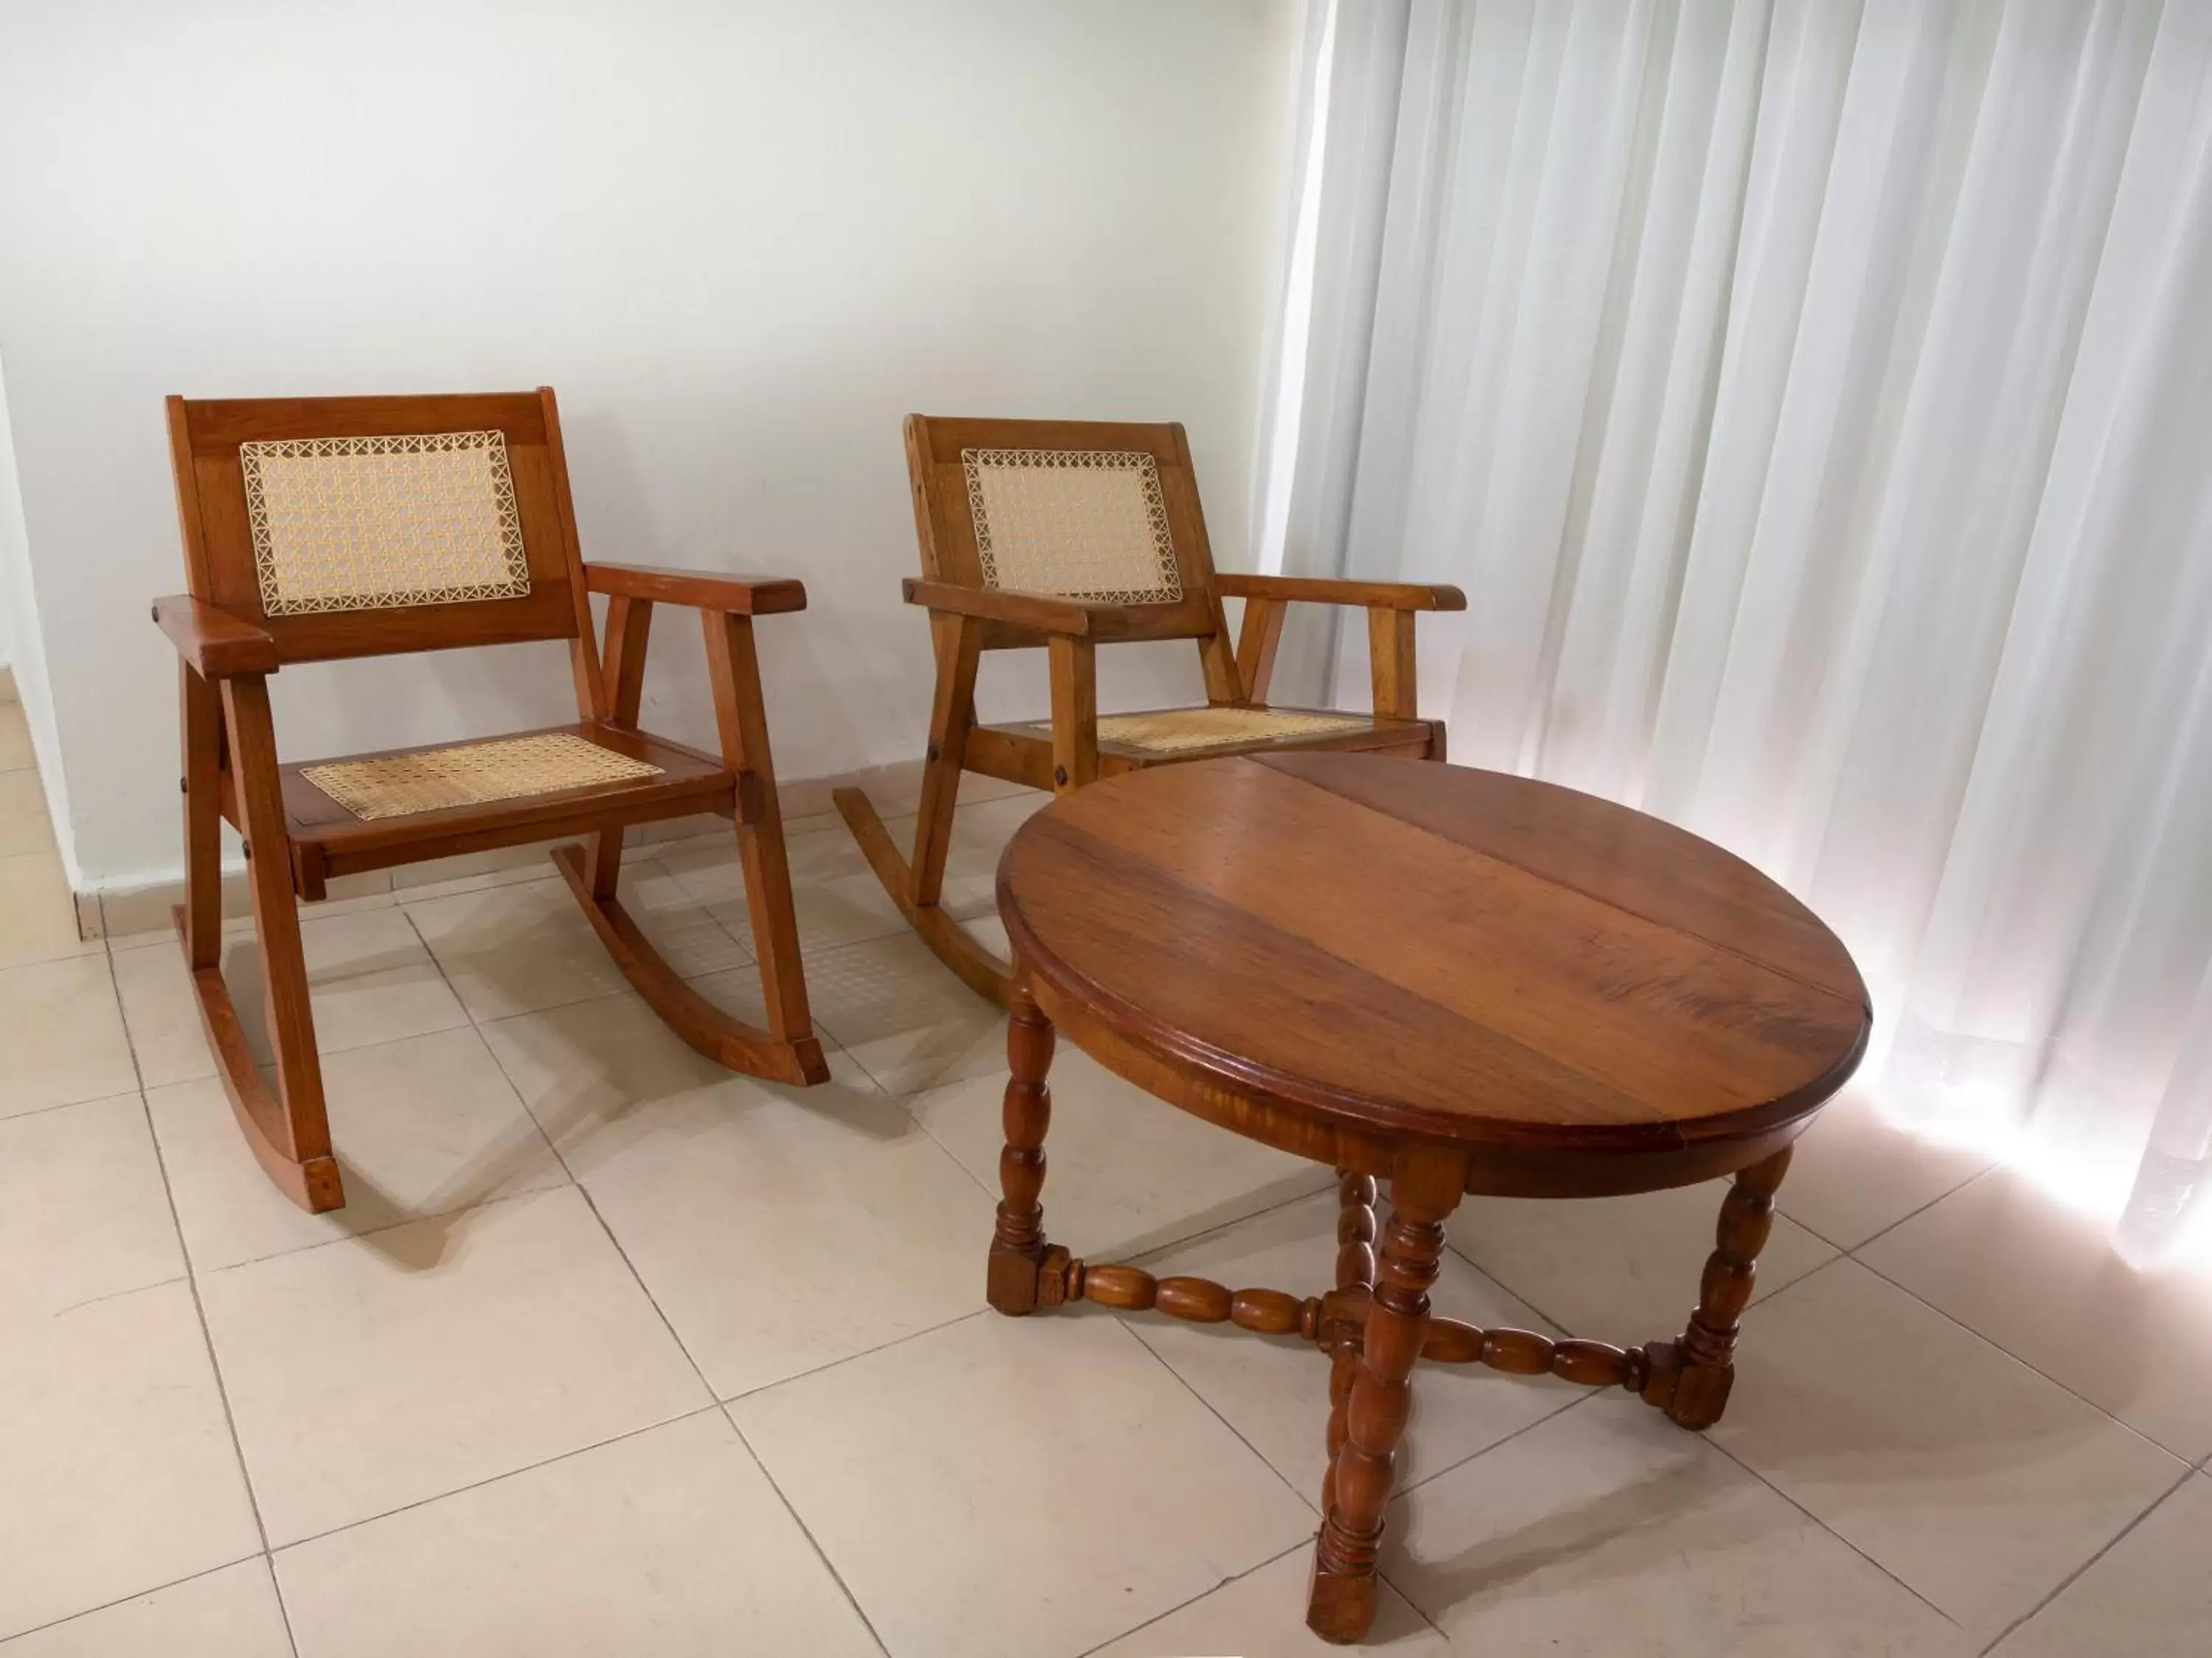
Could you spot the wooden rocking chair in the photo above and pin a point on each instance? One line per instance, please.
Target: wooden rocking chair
(1070, 534)
(323, 527)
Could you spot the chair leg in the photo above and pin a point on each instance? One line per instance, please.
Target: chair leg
(288, 1131)
(915, 887)
(629, 628)
(744, 721)
(201, 708)
(959, 645)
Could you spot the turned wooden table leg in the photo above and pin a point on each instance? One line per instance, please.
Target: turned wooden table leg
(1341, 1605)
(1691, 1378)
(1017, 1246)
(1355, 1267)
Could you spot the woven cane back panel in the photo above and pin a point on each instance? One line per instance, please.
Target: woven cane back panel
(376, 523)
(1178, 730)
(1076, 523)
(470, 774)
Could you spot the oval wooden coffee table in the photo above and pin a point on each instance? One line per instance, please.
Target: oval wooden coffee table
(1460, 981)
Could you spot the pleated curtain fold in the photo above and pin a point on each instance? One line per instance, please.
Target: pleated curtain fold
(1815, 401)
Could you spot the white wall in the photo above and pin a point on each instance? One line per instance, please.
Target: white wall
(19, 646)
(741, 239)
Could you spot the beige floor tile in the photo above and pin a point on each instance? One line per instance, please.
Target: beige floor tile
(1125, 1173)
(65, 1038)
(1854, 1171)
(1618, 1269)
(24, 824)
(902, 1015)
(1606, 1529)
(15, 751)
(778, 1229)
(1025, 1487)
(229, 1613)
(1262, 1614)
(377, 1372)
(798, 1233)
(669, 1542)
(2149, 1596)
(1275, 1392)
(83, 1214)
(836, 896)
(2137, 1343)
(37, 915)
(1962, 1472)
(603, 1075)
(369, 980)
(517, 948)
(423, 1126)
(162, 1011)
(118, 1471)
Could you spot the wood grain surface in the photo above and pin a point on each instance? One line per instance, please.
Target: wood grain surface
(1473, 957)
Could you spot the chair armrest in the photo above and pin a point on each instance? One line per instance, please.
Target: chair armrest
(1041, 612)
(217, 644)
(1321, 590)
(736, 596)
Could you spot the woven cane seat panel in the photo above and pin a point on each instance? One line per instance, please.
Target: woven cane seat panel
(1076, 523)
(472, 774)
(1178, 730)
(375, 523)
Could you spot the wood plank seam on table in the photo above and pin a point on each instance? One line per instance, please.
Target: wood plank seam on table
(1746, 1025)
(1217, 918)
(1133, 872)
(1798, 917)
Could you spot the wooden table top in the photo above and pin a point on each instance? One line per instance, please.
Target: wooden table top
(1406, 947)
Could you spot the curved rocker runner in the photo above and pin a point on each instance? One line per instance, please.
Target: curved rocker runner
(320, 528)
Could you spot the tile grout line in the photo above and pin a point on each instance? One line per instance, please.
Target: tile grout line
(2186, 1473)
(71, 1105)
(1972, 1180)
(1304, 1501)
(135, 1595)
(854, 1358)
(2111, 1543)
(1830, 1530)
(1235, 1578)
(807, 1531)
(691, 1359)
(199, 1307)
(1999, 1347)
(489, 1479)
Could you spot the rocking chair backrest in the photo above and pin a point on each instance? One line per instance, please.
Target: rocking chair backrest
(1099, 511)
(371, 525)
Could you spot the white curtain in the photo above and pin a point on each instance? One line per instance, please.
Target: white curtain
(1815, 400)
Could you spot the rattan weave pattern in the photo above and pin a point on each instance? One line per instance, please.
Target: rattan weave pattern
(1176, 731)
(1077, 523)
(375, 523)
(471, 774)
